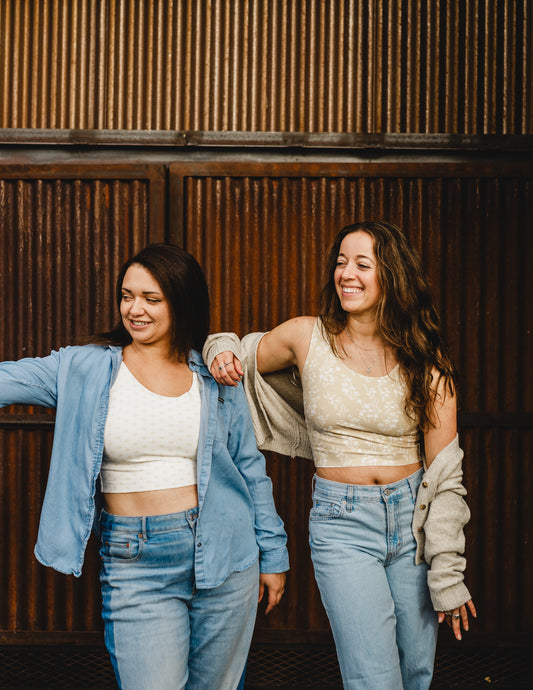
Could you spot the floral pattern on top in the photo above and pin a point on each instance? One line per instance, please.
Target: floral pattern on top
(355, 420)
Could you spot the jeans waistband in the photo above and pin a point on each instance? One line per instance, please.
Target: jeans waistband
(147, 524)
(369, 492)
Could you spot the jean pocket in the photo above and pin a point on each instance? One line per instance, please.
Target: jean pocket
(324, 509)
(122, 547)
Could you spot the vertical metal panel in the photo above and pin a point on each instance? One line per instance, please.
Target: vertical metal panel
(453, 66)
(415, 66)
(64, 232)
(262, 241)
(52, 68)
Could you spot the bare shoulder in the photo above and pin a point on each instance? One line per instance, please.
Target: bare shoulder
(286, 344)
(299, 326)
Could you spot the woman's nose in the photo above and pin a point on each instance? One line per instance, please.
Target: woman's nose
(349, 270)
(136, 306)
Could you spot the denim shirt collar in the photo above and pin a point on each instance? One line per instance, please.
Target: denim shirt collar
(196, 363)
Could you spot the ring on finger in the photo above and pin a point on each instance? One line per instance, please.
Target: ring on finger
(226, 363)
(456, 616)
(222, 367)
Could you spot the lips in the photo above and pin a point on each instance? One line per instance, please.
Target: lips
(139, 324)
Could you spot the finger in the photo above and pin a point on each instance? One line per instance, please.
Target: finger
(238, 367)
(217, 370)
(464, 617)
(222, 375)
(456, 624)
(274, 597)
(271, 601)
(231, 372)
(442, 616)
(215, 373)
(261, 591)
(472, 608)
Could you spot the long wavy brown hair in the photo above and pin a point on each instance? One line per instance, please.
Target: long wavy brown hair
(406, 317)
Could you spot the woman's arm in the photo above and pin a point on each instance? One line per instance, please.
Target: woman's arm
(30, 381)
(269, 530)
(436, 438)
(443, 420)
(284, 346)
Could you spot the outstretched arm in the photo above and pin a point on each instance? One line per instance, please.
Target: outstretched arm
(284, 346)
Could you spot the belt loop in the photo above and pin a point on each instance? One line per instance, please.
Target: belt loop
(143, 528)
(350, 497)
(414, 482)
(313, 483)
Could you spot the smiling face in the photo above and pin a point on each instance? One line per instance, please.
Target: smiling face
(356, 277)
(144, 308)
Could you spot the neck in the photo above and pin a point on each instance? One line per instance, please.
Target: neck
(362, 329)
(152, 351)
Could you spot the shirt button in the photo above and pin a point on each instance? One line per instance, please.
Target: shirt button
(422, 507)
(425, 485)
(420, 529)
(199, 544)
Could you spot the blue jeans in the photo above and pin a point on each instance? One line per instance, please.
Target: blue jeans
(376, 598)
(161, 632)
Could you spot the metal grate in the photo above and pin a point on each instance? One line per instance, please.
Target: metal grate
(43, 668)
(85, 668)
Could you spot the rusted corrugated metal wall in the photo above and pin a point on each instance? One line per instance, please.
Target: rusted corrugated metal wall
(354, 66)
(261, 231)
(366, 66)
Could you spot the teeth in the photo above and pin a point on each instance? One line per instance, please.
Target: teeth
(140, 323)
(351, 291)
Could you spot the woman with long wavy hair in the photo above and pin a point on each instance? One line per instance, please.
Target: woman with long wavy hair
(379, 401)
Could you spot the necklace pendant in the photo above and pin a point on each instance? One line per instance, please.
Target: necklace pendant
(368, 370)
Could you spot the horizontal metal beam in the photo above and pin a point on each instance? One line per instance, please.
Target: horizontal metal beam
(342, 140)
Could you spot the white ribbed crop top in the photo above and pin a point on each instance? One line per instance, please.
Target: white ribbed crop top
(354, 420)
(150, 440)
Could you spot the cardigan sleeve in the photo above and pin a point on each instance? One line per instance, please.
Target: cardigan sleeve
(275, 400)
(441, 499)
(221, 342)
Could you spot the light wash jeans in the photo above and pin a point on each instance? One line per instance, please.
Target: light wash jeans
(161, 632)
(376, 598)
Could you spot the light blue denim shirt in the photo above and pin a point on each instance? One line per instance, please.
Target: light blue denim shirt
(237, 518)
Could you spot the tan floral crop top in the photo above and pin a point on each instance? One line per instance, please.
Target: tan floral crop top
(354, 420)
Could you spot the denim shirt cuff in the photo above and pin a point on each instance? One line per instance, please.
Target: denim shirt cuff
(276, 561)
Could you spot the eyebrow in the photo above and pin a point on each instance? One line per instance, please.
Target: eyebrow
(145, 292)
(358, 256)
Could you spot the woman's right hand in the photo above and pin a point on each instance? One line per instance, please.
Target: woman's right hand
(226, 369)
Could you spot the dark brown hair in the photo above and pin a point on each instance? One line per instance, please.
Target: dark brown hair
(183, 283)
(406, 317)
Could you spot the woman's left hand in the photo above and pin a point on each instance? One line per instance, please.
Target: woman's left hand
(457, 616)
(275, 584)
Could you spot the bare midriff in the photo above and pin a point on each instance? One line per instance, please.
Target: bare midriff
(368, 475)
(160, 502)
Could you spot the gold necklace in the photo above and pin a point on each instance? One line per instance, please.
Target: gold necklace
(363, 349)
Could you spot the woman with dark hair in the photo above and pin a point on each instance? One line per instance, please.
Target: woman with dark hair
(163, 463)
(378, 417)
